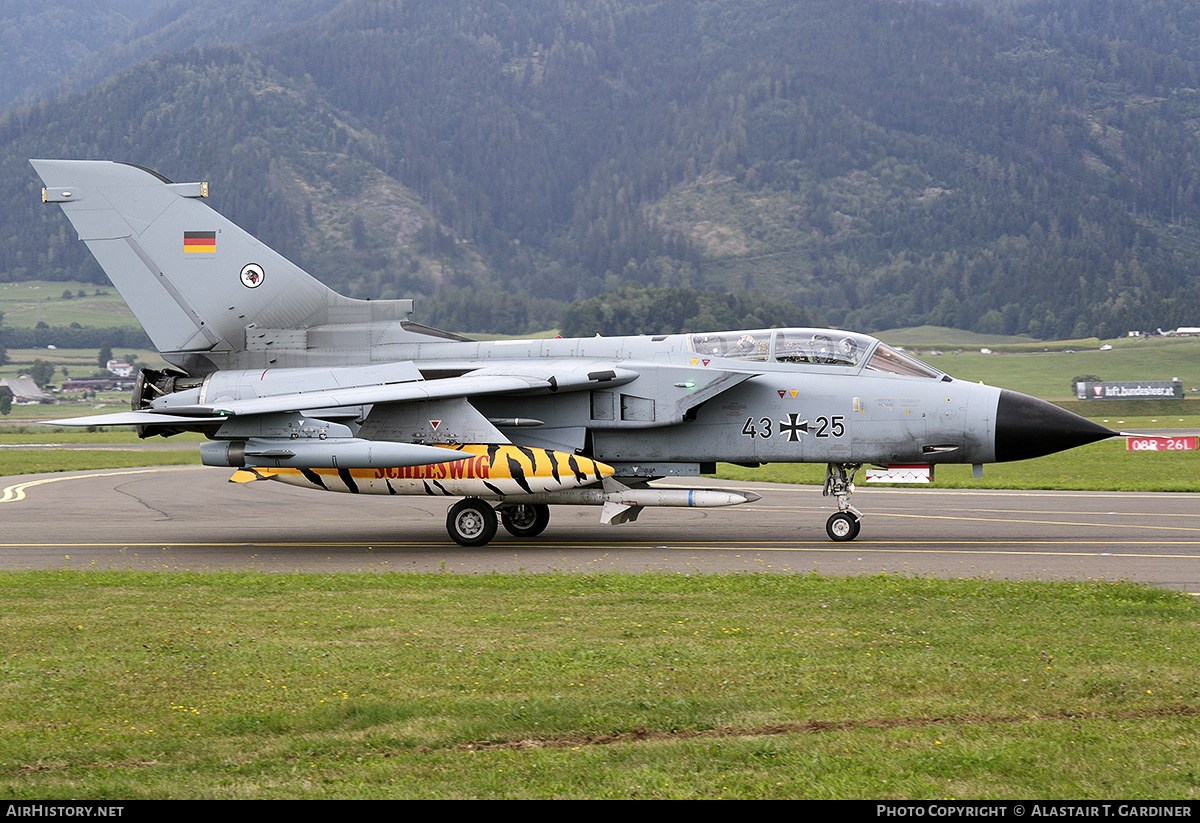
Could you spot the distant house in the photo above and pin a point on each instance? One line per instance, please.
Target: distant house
(120, 368)
(22, 389)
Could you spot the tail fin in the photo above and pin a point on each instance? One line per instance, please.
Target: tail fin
(195, 281)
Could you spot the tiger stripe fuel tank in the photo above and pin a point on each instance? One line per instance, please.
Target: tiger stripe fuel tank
(487, 471)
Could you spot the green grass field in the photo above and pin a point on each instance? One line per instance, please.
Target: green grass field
(1048, 374)
(28, 303)
(24, 461)
(1105, 466)
(239, 685)
(79, 362)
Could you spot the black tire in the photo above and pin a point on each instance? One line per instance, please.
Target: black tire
(842, 527)
(471, 522)
(525, 519)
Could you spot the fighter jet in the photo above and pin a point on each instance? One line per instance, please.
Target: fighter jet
(295, 383)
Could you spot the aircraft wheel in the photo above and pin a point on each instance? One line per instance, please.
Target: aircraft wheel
(842, 526)
(525, 519)
(471, 522)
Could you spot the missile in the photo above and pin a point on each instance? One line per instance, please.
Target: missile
(680, 498)
(623, 504)
(515, 422)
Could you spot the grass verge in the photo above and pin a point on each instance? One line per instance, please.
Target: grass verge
(1105, 466)
(116, 448)
(39, 461)
(50, 436)
(241, 685)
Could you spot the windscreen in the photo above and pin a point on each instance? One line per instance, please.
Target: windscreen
(889, 361)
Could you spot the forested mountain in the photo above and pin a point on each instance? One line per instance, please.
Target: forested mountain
(168, 26)
(52, 45)
(40, 43)
(1008, 166)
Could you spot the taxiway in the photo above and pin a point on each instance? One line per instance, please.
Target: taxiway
(192, 519)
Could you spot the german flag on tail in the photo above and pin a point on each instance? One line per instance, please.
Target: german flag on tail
(200, 242)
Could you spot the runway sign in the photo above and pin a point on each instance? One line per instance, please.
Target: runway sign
(1160, 444)
(1151, 389)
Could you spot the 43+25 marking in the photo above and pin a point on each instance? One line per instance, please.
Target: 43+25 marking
(793, 427)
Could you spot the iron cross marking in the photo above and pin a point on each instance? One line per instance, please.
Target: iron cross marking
(792, 427)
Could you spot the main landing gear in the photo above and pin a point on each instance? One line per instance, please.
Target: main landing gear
(525, 519)
(839, 482)
(472, 522)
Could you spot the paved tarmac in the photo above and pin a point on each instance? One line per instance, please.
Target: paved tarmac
(191, 518)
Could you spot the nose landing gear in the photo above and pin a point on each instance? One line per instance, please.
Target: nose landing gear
(839, 482)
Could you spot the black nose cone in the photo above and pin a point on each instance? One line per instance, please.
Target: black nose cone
(1027, 427)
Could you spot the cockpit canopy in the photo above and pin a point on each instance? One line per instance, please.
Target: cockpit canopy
(815, 347)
